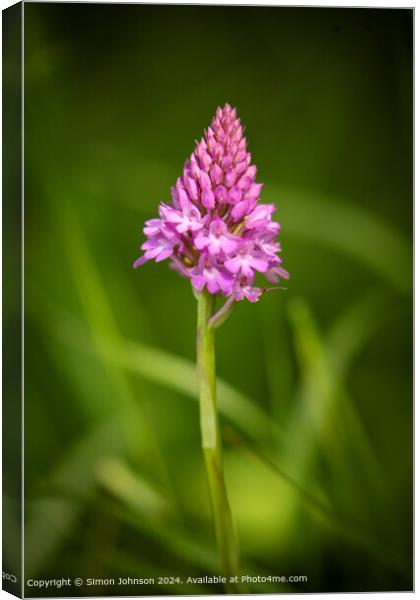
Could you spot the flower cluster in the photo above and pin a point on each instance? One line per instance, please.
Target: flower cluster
(215, 232)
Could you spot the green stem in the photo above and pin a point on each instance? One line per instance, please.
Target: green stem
(210, 441)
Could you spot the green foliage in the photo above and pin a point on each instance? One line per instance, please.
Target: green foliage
(315, 382)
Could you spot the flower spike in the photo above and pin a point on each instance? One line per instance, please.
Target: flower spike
(216, 232)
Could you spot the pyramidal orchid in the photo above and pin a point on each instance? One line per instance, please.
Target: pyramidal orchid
(217, 234)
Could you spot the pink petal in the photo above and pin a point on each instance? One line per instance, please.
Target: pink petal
(244, 183)
(221, 194)
(226, 162)
(205, 160)
(235, 195)
(233, 265)
(254, 191)
(204, 180)
(140, 261)
(152, 227)
(166, 252)
(251, 172)
(192, 188)
(212, 286)
(230, 178)
(198, 282)
(241, 168)
(259, 264)
(253, 294)
(240, 210)
(225, 281)
(208, 199)
(152, 253)
(218, 151)
(183, 198)
(195, 226)
(246, 269)
(229, 246)
(216, 174)
(201, 241)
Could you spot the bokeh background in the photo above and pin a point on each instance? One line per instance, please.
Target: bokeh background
(315, 382)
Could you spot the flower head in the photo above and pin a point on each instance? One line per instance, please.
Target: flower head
(215, 232)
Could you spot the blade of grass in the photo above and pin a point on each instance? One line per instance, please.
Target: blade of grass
(193, 552)
(358, 324)
(313, 498)
(179, 375)
(50, 518)
(144, 444)
(329, 518)
(136, 492)
(277, 360)
(251, 421)
(322, 397)
(159, 367)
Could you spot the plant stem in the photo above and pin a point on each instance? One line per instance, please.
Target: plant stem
(210, 441)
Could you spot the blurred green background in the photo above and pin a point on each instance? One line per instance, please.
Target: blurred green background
(315, 382)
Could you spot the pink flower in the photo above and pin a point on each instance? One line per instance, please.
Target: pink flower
(215, 233)
(247, 260)
(157, 247)
(213, 275)
(216, 239)
(187, 219)
(260, 219)
(245, 289)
